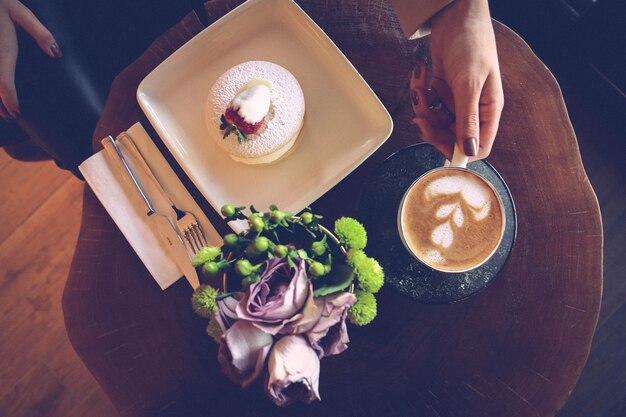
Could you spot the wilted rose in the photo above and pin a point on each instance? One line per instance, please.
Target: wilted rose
(294, 371)
(282, 295)
(242, 352)
(329, 335)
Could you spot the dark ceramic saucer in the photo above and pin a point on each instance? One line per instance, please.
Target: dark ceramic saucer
(378, 209)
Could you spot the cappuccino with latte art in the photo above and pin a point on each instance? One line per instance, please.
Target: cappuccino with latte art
(451, 219)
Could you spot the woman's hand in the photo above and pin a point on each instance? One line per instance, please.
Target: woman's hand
(466, 77)
(13, 12)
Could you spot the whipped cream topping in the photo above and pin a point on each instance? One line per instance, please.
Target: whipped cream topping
(253, 100)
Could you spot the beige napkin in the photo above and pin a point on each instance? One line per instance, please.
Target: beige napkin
(112, 185)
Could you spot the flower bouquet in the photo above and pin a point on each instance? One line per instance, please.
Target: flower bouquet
(280, 296)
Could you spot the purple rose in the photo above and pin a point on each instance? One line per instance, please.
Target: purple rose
(294, 371)
(329, 335)
(226, 315)
(242, 352)
(326, 331)
(281, 295)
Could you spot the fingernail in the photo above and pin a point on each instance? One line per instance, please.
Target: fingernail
(414, 98)
(56, 51)
(470, 146)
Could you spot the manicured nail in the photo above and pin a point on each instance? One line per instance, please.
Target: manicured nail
(470, 146)
(56, 51)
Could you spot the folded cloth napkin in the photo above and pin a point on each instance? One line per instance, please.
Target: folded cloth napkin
(112, 185)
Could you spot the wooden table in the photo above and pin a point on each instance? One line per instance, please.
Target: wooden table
(515, 349)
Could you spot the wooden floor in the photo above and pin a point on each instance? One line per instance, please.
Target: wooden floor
(40, 375)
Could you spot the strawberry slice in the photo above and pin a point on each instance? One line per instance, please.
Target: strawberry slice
(232, 122)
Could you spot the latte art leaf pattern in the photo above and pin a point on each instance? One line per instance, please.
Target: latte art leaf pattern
(458, 217)
(443, 235)
(471, 197)
(452, 220)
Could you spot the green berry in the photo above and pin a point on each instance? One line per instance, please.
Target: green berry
(277, 216)
(261, 244)
(206, 254)
(364, 310)
(211, 268)
(351, 233)
(228, 210)
(281, 251)
(318, 248)
(243, 267)
(371, 275)
(249, 280)
(256, 224)
(306, 217)
(317, 269)
(327, 269)
(231, 240)
(257, 247)
(203, 301)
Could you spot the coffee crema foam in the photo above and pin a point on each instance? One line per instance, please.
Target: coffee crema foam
(452, 220)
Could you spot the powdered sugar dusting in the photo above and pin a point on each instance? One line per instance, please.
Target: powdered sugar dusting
(283, 120)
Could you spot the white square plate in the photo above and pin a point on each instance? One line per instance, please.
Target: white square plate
(344, 124)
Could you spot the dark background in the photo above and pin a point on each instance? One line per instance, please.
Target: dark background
(583, 43)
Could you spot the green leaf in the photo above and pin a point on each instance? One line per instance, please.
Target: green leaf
(273, 207)
(338, 279)
(224, 123)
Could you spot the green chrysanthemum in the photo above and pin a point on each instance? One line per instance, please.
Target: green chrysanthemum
(206, 254)
(351, 233)
(354, 256)
(364, 310)
(203, 301)
(214, 330)
(370, 273)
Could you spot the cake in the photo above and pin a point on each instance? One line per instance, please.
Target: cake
(255, 112)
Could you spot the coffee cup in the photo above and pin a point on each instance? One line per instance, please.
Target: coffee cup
(451, 219)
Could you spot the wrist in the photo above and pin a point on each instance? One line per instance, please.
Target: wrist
(460, 11)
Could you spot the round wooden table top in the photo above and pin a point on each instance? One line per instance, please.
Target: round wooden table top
(515, 349)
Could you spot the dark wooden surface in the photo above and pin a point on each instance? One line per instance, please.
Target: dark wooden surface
(515, 349)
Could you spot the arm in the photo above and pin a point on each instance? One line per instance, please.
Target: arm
(414, 15)
(13, 12)
(465, 77)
